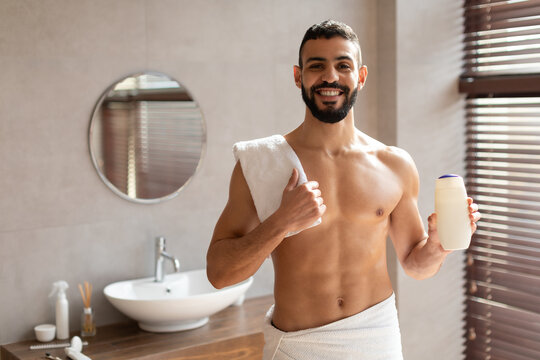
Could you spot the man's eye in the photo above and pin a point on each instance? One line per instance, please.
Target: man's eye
(344, 66)
(316, 66)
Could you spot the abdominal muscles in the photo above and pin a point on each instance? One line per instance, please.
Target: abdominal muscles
(329, 272)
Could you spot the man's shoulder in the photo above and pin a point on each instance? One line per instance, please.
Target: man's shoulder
(398, 160)
(392, 156)
(395, 153)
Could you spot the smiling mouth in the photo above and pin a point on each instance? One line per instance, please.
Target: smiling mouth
(329, 93)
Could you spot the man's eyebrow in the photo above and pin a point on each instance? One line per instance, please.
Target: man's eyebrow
(345, 57)
(315, 58)
(339, 58)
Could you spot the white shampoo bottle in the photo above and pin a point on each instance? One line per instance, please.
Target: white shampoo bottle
(453, 223)
(62, 309)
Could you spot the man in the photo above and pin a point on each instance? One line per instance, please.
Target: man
(333, 296)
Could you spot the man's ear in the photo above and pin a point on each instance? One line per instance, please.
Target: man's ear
(362, 76)
(297, 76)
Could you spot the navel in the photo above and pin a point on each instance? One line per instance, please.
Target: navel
(340, 302)
(380, 212)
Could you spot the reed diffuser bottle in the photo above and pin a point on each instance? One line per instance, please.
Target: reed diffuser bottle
(88, 324)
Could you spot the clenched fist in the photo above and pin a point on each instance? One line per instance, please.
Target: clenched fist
(301, 205)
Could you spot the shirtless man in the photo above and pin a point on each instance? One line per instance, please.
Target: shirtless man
(362, 189)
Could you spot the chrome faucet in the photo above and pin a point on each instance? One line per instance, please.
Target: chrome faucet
(161, 255)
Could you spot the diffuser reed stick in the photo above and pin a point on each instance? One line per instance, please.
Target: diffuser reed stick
(88, 327)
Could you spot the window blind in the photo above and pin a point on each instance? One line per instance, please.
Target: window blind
(151, 146)
(501, 77)
(502, 37)
(168, 145)
(503, 272)
(501, 47)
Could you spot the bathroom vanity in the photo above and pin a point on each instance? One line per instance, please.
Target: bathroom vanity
(234, 333)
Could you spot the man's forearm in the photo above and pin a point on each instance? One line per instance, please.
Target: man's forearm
(425, 259)
(232, 260)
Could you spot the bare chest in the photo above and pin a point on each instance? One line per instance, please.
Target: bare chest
(359, 188)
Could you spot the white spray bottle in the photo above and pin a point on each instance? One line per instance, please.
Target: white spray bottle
(62, 309)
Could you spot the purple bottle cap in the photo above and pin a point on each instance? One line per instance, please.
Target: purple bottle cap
(448, 176)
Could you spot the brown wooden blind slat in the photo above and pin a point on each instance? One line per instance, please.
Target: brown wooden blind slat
(488, 238)
(493, 195)
(498, 34)
(509, 335)
(497, 168)
(503, 264)
(505, 314)
(496, 201)
(528, 253)
(489, 225)
(500, 329)
(523, 260)
(471, 158)
(477, 150)
(504, 278)
(505, 349)
(507, 223)
(508, 213)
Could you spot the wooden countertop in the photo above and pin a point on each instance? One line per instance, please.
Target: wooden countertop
(234, 333)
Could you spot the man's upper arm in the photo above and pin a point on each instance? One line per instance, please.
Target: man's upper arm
(239, 216)
(406, 227)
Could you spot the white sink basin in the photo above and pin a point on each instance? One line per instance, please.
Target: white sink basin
(183, 301)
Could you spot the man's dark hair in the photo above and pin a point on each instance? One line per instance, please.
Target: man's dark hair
(329, 29)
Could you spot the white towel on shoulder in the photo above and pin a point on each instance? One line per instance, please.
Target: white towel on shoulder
(267, 165)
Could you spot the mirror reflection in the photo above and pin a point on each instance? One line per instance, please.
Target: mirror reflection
(147, 137)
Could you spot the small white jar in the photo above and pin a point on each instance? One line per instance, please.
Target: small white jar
(45, 332)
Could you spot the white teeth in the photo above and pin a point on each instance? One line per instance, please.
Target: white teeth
(329, 93)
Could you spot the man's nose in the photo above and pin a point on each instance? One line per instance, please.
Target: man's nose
(330, 75)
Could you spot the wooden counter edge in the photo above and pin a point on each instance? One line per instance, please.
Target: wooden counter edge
(127, 341)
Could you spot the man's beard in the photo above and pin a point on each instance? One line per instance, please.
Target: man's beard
(331, 115)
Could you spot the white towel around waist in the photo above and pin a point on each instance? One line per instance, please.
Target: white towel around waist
(267, 165)
(372, 334)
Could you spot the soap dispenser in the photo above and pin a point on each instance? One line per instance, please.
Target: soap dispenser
(62, 309)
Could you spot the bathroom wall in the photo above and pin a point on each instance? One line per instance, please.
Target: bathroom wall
(420, 110)
(430, 126)
(59, 221)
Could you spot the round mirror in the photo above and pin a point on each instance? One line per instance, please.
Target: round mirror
(147, 137)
